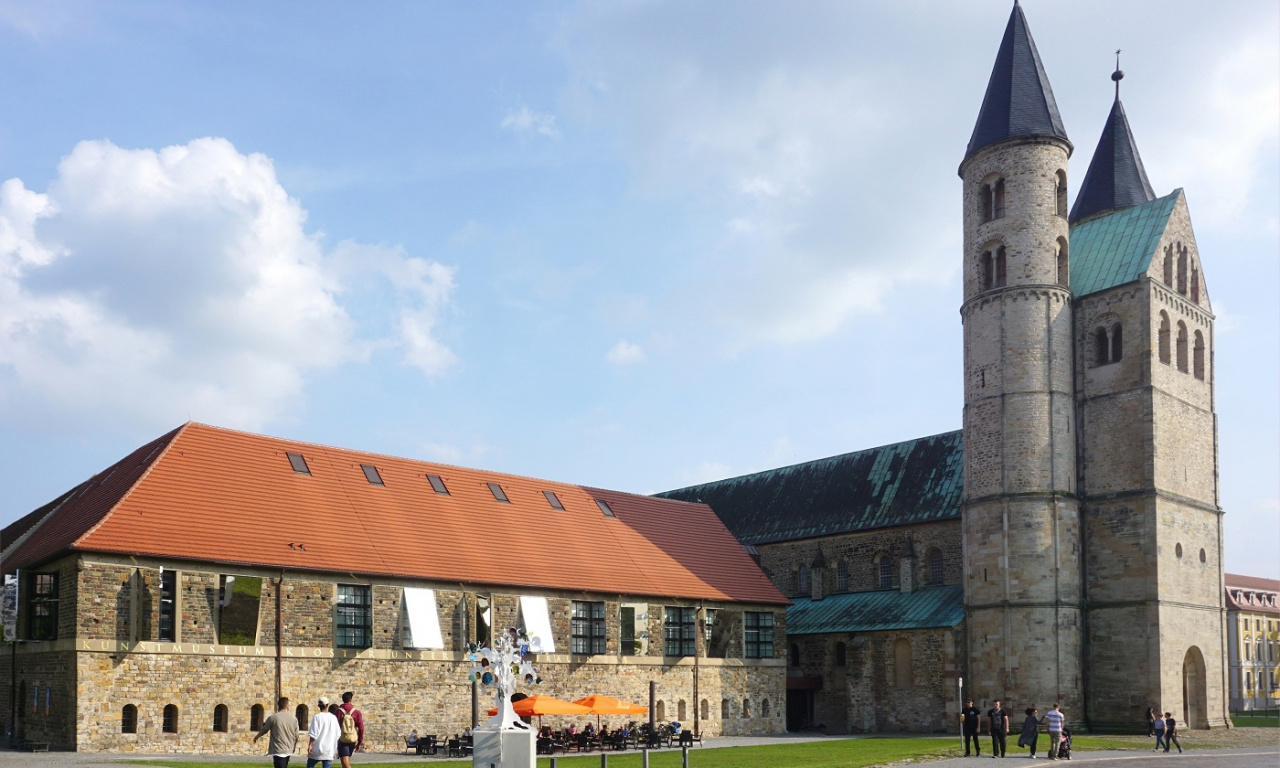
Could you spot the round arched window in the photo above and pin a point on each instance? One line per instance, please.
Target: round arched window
(1203, 557)
(1178, 551)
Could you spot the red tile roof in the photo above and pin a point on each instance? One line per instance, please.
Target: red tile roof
(206, 493)
(1251, 593)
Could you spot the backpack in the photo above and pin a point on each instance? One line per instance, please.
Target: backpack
(349, 733)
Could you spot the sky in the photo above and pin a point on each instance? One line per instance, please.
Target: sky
(635, 245)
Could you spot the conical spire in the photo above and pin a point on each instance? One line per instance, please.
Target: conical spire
(1019, 101)
(1116, 178)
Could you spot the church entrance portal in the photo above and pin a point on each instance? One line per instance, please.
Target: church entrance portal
(1195, 713)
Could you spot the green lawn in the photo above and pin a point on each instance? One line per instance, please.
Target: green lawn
(844, 753)
(1266, 719)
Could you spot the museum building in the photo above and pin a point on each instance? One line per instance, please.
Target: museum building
(165, 603)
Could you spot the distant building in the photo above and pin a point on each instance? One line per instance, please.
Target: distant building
(1253, 642)
(167, 601)
(1064, 546)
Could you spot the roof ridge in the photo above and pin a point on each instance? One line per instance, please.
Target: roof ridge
(151, 462)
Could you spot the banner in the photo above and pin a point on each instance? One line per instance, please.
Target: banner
(9, 607)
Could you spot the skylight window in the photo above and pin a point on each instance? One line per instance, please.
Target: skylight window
(437, 484)
(553, 500)
(498, 494)
(371, 474)
(298, 463)
(605, 508)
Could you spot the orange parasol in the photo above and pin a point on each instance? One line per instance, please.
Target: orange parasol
(607, 705)
(544, 705)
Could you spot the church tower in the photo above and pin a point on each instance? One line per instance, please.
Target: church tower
(1021, 519)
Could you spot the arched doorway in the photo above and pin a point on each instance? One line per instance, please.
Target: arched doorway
(1195, 712)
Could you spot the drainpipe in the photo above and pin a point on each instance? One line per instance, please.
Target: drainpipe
(697, 710)
(279, 640)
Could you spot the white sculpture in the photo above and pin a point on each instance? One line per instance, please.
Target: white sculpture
(505, 740)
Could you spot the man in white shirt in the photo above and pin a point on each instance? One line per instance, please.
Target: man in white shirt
(1053, 721)
(324, 733)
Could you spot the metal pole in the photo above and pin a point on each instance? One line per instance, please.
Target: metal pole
(279, 640)
(960, 708)
(697, 631)
(604, 759)
(13, 693)
(684, 757)
(644, 759)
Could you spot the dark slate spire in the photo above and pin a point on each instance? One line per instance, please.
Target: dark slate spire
(1116, 178)
(1019, 101)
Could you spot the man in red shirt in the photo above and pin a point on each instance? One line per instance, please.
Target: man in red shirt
(346, 747)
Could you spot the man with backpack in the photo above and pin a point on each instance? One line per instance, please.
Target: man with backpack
(352, 723)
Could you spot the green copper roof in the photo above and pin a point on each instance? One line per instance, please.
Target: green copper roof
(1117, 248)
(911, 482)
(877, 611)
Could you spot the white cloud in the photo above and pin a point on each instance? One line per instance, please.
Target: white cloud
(151, 286)
(626, 353)
(525, 121)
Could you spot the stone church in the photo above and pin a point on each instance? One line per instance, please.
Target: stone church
(1064, 546)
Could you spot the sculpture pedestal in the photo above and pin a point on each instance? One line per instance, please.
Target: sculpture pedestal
(503, 749)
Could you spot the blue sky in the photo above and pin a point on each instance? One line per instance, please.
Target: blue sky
(631, 244)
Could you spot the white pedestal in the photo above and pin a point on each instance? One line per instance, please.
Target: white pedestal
(503, 749)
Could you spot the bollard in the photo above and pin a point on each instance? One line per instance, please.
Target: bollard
(644, 758)
(553, 762)
(604, 760)
(684, 756)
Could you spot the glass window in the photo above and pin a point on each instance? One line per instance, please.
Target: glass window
(842, 576)
(605, 508)
(371, 474)
(627, 631)
(553, 500)
(298, 463)
(498, 493)
(935, 566)
(303, 714)
(256, 714)
(758, 640)
(42, 606)
(437, 484)
(239, 599)
(355, 616)
(886, 571)
(129, 719)
(167, 631)
(679, 631)
(586, 628)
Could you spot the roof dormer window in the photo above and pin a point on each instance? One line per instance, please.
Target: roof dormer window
(437, 484)
(371, 474)
(299, 463)
(498, 493)
(605, 508)
(553, 500)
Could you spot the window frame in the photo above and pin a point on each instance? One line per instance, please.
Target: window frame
(129, 718)
(167, 617)
(758, 634)
(438, 485)
(350, 633)
(587, 628)
(372, 474)
(298, 463)
(42, 605)
(498, 494)
(220, 717)
(681, 633)
(169, 718)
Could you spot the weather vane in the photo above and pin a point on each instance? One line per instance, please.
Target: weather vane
(1118, 75)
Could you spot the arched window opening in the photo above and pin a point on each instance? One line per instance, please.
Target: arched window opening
(169, 721)
(256, 715)
(803, 582)
(746, 708)
(793, 655)
(985, 193)
(682, 713)
(1198, 356)
(1168, 265)
(764, 707)
(1000, 267)
(220, 718)
(884, 571)
(303, 714)
(902, 663)
(842, 576)
(725, 709)
(841, 655)
(1195, 285)
(988, 271)
(1117, 343)
(1182, 346)
(660, 710)
(1101, 347)
(935, 566)
(1062, 194)
(1164, 339)
(997, 202)
(1064, 268)
(704, 710)
(129, 719)
(1182, 271)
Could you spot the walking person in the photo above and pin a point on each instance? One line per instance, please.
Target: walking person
(323, 734)
(998, 722)
(971, 724)
(1030, 731)
(1170, 732)
(1157, 727)
(283, 727)
(1054, 719)
(352, 736)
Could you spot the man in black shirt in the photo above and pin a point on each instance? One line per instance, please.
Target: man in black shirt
(971, 724)
(999, 724)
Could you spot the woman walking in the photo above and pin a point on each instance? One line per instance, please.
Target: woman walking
(1030, 731)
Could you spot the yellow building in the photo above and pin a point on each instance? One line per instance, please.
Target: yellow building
(1253, 642)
